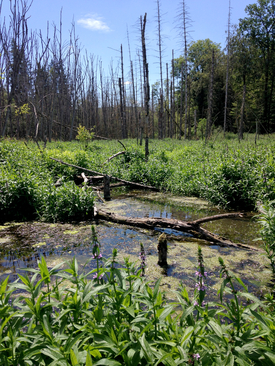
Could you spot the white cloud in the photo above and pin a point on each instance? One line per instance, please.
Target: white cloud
(93, 23)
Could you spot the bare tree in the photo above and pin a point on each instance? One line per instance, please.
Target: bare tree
(227, 72)
(184, 21)
(146, 83)
(159, 42)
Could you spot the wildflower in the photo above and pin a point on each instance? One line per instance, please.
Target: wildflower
(200, 286)
(196, 356)
(97, 256)
(95, 276)
(196, 303)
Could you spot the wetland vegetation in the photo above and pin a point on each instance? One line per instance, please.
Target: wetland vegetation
(96, 310)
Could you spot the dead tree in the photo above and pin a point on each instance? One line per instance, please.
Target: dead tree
(161, 108)
(172, 94)
(146, 83)
(122, 98)
(227, 72)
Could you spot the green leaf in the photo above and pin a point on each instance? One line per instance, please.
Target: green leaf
(146, 349)
(4, 286)
(167, 311)
(271, 356)
(52, 353)
(241, 283)
(223, 284)
(130, 310)
(73, 358)
(260, 319)
(72, 340)
(156, 288)
(216, 328)
(107, 362)
(89, 361)
(47, 327)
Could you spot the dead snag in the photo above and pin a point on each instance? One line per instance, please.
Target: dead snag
(162, 250)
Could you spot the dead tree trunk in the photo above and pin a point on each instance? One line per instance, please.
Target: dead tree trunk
(227, 73)
(146, 83)
(161, 109)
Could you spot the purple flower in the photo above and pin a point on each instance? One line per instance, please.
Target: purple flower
(196, 356)
(95, 276)
(200, 286)
(196, 303)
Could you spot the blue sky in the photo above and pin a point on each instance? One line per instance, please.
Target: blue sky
(101, 25)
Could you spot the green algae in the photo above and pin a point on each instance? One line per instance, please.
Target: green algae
(71, 232)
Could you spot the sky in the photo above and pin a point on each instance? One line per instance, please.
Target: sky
(102, 25)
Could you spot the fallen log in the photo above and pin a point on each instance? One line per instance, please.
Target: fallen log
(190, 227)
(133, 184)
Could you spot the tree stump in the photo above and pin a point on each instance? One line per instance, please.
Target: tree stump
(162, 250)
(107, 194)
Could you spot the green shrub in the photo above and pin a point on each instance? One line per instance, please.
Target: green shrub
(267, 221)
(232, 184)
(18, 197)
(66, 203)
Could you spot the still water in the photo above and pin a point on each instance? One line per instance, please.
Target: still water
(22, 244)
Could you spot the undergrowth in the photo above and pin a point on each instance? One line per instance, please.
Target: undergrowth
(228, 173)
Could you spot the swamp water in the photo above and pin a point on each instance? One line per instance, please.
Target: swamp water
(22, 244)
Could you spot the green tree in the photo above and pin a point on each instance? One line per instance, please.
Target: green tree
(199, 60)
(259, 28)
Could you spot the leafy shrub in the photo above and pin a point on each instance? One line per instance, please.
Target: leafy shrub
(83, 135)
(18, 197)
(232, 184)
(66, 203)
(267, 221)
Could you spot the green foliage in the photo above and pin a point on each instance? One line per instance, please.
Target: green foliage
(66, 203)
(226, 172)
(267, 221)
(28, 191)
(83, 135)
(63, 318)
